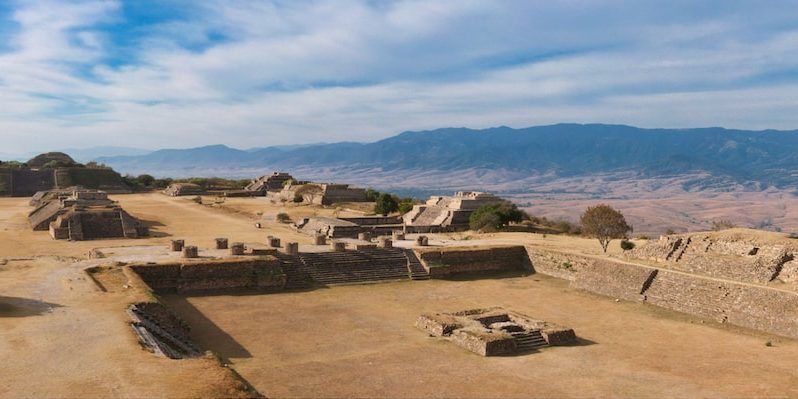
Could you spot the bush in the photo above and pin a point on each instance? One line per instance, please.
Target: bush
(283, 217)
(718, 225)
(643, 237)
(386, 204)
(669, 232)
(197, 200)
(298, 198)
(492, 217)
(372, 195)
(406, 205)
(627, 245)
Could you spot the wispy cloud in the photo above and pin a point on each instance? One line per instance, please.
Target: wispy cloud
(183, 73)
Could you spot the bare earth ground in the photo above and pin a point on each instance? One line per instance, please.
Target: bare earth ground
(62, 337)
(360, 341)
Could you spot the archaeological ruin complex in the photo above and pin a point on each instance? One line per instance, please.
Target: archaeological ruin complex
(56, 171)
(83, 215)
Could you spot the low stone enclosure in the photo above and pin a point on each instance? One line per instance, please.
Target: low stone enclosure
(732, 255)
(743, 304)
(349, 227)
(83, 215)
(445, 261)
(495, 331)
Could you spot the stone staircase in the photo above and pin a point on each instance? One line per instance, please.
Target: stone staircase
(414, 267)
(163, 342)
(297, 275)
(352, 267)
(528, 340)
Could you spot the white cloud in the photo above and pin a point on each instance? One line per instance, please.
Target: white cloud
(290, 72)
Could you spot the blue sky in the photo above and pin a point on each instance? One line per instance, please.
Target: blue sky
(173, 73)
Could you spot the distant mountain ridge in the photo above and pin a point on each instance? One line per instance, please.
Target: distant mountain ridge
(754, 159)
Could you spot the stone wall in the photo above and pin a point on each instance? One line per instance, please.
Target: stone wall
(485, 344)
(746, 305)
(193, 276)
(728, 256)
(444, 261)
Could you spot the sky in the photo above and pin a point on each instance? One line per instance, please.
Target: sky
(176, 74)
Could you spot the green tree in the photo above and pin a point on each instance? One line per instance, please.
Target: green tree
(372, 195)
(406, 205)
(386, 203)
(145, 180)
(604, 223)
(492, 217)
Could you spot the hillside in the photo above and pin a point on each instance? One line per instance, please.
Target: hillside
(722, 158)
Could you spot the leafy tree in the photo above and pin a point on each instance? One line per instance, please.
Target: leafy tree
(386, 203)
(406, 205)
(492, 217)
(372, 195)
(604, 223)
(145, 180)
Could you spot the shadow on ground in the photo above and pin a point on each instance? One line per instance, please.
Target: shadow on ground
(24, 307)
(205, 332)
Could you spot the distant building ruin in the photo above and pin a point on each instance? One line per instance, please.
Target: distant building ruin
(495, 331)
(319, 193)
(181, 189)
(266, 183)
(56, 171)
(447, 213)
(84, 215)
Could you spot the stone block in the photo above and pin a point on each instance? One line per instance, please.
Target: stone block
(237, 248)
(291, 248)
(177, 245)
(190, 251)
(221, 243)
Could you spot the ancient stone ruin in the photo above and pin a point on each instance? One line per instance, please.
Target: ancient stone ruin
(349, 227)
(318, 193)
(442, 213)
(85, 215)
(266, 183)
(52, 171)
(495, 331)
(182, 189)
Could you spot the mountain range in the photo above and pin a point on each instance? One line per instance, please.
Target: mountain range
(713, 158)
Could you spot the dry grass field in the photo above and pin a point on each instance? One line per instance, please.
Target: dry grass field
(60, 336)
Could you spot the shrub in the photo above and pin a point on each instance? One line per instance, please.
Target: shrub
(670, 232)
(492, 217)
(298, 198)
(283, 217)
(627, 245)
(372, 195)
(197, 200)
(643, 237)
(718, 225)
(406, 205)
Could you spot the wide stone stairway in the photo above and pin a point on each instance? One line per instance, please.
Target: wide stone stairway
(349, 267)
